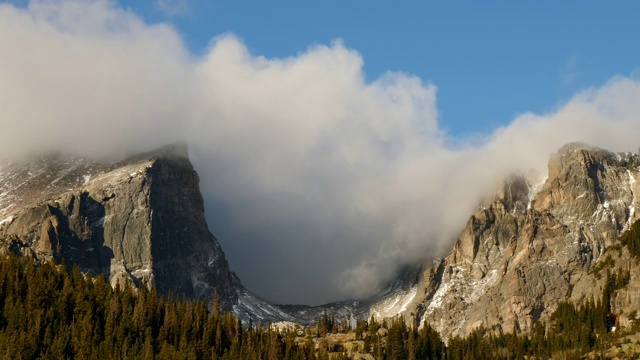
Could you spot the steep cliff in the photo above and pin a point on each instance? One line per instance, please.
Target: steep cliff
(140, 220)
(532, 245)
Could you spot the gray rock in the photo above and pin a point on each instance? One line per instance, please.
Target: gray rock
(530, 247)
(139, 221)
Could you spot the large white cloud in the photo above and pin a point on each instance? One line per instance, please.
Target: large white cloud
(318, 183)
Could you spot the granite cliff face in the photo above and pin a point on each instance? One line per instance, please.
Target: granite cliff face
(532, 245)
(140, 221)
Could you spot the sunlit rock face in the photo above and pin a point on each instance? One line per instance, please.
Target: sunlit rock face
(532, 245)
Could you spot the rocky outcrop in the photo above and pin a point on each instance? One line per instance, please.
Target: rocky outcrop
(140, 221)
(531, 246)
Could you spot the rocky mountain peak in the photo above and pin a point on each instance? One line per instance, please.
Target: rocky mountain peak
(174, 151)
(529, 246)
(585, 181)
(139, 220)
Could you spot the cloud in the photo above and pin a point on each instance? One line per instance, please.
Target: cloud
(173, 7)
(318, 183)
(88, 76)
(570, 72)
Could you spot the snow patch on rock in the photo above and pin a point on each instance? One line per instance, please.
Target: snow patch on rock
(395, 304)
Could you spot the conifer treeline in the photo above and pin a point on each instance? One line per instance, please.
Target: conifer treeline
(397, 341)
(631, 239)
(573, 331)
(49, 313)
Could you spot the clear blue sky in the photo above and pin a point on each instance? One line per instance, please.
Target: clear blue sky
(489, 62)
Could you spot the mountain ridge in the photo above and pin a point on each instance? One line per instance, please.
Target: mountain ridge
(528, 248)
(525, 248)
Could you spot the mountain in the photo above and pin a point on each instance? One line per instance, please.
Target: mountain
(140, 220)
(531, 246)
(526, 248)
(387, 302)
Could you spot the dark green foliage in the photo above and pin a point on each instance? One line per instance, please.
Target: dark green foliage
(428, 343)
(327, 324)
(607, 263)
(572, 331)
(577, 328)
(631, 239)
(49, 313)
(613, 282)
(397, 340)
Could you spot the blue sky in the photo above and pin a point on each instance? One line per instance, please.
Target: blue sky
(489, 62)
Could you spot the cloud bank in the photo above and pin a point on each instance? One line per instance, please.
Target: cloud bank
(318, 184)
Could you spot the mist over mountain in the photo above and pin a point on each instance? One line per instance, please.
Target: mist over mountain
(318, 183)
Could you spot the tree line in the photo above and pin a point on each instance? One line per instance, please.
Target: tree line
(49, 312)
